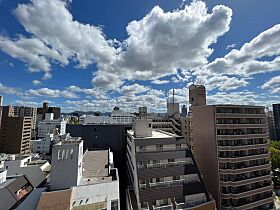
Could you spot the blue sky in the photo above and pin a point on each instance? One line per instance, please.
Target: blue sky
(94, 55)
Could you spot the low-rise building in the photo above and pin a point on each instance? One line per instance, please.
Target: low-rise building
(81, 180)
(43, 145)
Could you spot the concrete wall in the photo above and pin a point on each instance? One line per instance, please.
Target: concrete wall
(205, 147)
(6, 199)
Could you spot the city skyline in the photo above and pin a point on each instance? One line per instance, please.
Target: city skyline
(98, 55)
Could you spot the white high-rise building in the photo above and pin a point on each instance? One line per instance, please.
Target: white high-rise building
(50, 126)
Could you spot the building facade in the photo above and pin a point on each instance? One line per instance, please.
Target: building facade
(271, 125)
(23, 111)
(276, 113)
(162, 171)
(51, 126)
(231, 149)
(15, 132)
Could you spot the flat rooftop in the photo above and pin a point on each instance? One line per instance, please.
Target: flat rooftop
(156, 134)
(96, 167)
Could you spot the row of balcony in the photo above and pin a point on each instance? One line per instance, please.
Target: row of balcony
(168, 164)
(237, 167)
(245, 188)
(242, 142)
(240, 132)
(155, 185)
(244, 176)
(249, 202)
(161, 147)
(243, 153)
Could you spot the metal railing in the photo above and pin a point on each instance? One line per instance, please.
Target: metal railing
(170, 164)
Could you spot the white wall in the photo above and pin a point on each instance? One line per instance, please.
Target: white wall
(103, 192)
(3, 176)
(66, 165)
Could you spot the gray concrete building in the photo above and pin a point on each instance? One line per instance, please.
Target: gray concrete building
(162, 171)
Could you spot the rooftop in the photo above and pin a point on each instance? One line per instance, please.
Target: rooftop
(156, 134)
(96, 167)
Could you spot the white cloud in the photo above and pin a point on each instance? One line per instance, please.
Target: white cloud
(46, 92)
(230, 46)
(133, 89)
(273, 84)
(250, 58)
(9, 90)
(159, 82)
(162, 42)
(36, 82)
(223, 83)
(32, 51)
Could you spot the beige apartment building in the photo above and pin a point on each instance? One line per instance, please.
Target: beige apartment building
(231, 149)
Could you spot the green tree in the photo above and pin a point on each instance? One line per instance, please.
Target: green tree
(274, 148)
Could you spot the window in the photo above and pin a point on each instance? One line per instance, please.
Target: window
(159, 147)
(150, 125)
(58, 155)
(71, 154)
(171, 160)
(114, 205)
(178, 146)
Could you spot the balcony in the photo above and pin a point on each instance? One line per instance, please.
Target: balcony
(155, 185)
(247, 191)
(250, 204)
(189, 204)
(242, 146)
(241, 125)
(168, 207)
(239, 115)
(246, 180)
(170, 164)
(244, 157)
(244, 168)
(242, 136)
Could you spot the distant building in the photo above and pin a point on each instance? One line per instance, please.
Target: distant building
(276, 113)
(1, 104)
(81, 181)
(231, 150)
(46, 109)
(271, 125)
(162, 171)
(117, 117)
(184, 111)
(197, 95)
(23, 111)
(15, 132)
(51, 126)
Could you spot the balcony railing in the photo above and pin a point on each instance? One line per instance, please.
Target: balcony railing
(170, 164)
(172, 183)
(164, 148)
(189, 204)
(167, 207)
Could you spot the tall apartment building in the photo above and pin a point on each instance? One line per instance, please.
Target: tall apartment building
(48, 109)
(197, 95)
(15, 132)
(162, 171)
(23, 111)
(231, 150)
(271, 125)
(276, 113)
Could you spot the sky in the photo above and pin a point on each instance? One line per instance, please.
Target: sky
(95, 55)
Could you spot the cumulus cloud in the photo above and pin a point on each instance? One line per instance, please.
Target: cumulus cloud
(259, 55)
(36, 82)
(222, 83)
(230, 46)
(9, 90)
(133, 89)
(46, 92)
(162, 42)
(273, 84)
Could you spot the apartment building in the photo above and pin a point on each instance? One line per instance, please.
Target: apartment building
(15, 132)
(162, 171)
(231, 149)
(1, 104)
(50, 126)
(48, 109)
(23, 111)
(276, 113)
